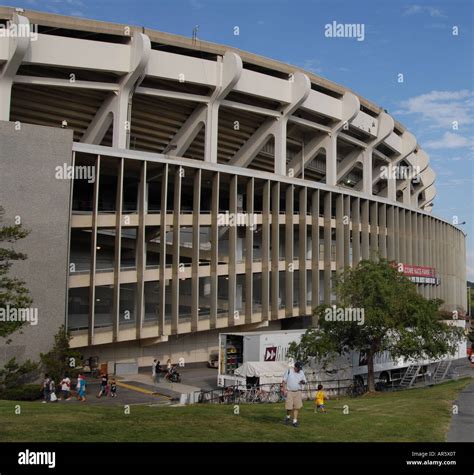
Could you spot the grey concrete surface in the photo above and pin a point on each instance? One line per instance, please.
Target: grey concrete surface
(124, 396)
(30, 190)
(462, 423)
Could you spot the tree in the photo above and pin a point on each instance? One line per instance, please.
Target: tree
(13, 292)
(14, 375)
(60, 359)
(396, 318)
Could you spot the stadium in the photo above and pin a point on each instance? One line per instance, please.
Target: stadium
(176, 188)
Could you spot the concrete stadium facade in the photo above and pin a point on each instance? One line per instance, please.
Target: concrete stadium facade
(211, 189)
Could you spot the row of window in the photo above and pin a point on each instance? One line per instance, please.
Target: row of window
(79, 303)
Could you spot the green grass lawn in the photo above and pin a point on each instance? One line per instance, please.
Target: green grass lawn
(412, 415)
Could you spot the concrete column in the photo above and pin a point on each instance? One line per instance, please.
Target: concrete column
(95, 212)
(176, 272)
(234, 317)
(195, 250)
(116, 108)
(327, 246)
(437, 254)
(249, 233)
(214, 248)
(141, 256)
(426, 252)
(300, 89)
(314, 250)
(266, 251)
(365, 229)
(303, 197)
(442, 256)
(339, 232)
(289, 247)
(408, 237)
(356, 251)
(275, 246)
(347, 230)
(163, 229)
(373, 237)
(331, 160)
(118, 250)
(230, 70)
(398, 237)
(279, 133)
(391, 233)
(402, 237)
(383, 230)
(367, 168)
(434, 253)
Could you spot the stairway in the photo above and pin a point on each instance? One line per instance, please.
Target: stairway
(410, 376)
(442, 370)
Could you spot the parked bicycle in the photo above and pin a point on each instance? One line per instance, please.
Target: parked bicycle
(356, 389)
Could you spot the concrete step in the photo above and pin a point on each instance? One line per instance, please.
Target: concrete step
(144, 382)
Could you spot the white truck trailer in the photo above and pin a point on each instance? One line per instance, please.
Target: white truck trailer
(238, 348)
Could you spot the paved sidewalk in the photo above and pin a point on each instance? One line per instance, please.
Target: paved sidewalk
(125, 395)
(462, 424)
(145, 382)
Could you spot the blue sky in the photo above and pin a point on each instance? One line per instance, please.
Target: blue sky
(413, 38)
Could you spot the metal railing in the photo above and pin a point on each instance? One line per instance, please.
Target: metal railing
(272, 393)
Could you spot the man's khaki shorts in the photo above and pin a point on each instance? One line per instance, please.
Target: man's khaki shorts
(293, 400)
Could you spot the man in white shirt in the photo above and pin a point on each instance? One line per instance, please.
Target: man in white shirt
(292, 384)
(66, 387)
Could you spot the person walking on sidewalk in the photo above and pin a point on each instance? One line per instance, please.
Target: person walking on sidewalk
(46, 388)
(153, 370)
(81, 388)
(292, 385)
(157, 371)
(104, 382)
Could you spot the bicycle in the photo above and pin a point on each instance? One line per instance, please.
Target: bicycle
(355, 390)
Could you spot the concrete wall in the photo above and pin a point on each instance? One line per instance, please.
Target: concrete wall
(29, 189)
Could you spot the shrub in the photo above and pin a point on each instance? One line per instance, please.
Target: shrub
(27, 392)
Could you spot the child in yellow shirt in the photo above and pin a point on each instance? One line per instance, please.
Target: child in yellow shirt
(320, 398)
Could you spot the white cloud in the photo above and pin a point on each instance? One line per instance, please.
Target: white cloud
(196, 4)
(441, 108)
(424, 9)
(450, 140)
(453, 182)
(312, 65)
(63, 7)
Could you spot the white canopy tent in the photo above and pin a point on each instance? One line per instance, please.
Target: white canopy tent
(269, 372)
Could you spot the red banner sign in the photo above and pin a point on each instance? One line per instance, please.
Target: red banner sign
(418, 274)
(416, 271)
